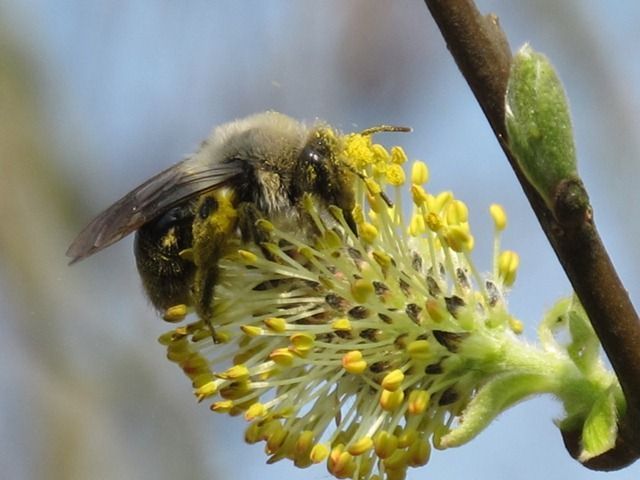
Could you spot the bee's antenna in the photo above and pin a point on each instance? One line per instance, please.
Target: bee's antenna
(385, 128)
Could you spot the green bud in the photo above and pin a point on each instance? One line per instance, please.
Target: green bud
(539, 124)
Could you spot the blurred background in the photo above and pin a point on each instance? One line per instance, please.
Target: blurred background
(96, 97)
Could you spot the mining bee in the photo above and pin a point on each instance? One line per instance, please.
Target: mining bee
(246, 170)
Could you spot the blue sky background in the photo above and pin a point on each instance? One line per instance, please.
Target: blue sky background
(124, 89)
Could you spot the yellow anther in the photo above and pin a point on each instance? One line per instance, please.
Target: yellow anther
(360, 446)
(276, 324)
(282, 356)
(457, 212)
(223, 406)
(265, 225)
(418, 402)
(257, 410)
(235, 373)
(382, 258)
(391, 400)
(499, 216)
(516, 325)
(252, 433)
(395, 175)
(175, 314)
(419, 453)
(380, 154)
(319, 453)
(341, 325)
(385, 444)
(361, 290)
(419, 350)
(331, 240)
(341, 463)
(368, 232)
(247, 257)
(398, 156)
(433, 221)
(417, 225)
(206, 390)
(419, 173)
(459, 238)
(305, 441)
(508, 262)
(419, 195)
(407, 438)
(302, 342)
(353, 362)
(436, 310)
(442, 199)
(276, 438)
(393, 380)
(397, 462)
(252, 330)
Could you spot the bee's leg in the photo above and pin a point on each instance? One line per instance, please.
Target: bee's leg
(215, 220)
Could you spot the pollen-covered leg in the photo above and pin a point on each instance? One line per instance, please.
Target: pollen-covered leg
(215, 222)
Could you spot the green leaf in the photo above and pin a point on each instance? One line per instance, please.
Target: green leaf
(600, 428)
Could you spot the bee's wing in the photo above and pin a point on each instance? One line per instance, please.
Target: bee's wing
(175, 184)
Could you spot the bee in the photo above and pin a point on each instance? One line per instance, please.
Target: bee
(246, 170)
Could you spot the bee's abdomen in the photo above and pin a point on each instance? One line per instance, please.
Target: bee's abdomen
(166, 277)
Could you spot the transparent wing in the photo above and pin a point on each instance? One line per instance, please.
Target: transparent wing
(175, 184)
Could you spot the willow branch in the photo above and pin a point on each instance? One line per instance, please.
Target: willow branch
(483, 56)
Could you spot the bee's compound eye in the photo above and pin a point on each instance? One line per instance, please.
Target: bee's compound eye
(209, 205)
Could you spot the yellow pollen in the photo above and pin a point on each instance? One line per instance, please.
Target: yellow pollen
(442, 199)
(395, 175)
(436, 310)
(398, 155)
(380, 154)
(433, 221)
(419, 453)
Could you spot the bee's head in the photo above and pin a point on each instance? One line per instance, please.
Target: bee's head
(321, 172)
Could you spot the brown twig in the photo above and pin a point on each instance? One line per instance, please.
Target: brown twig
(482, 53)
